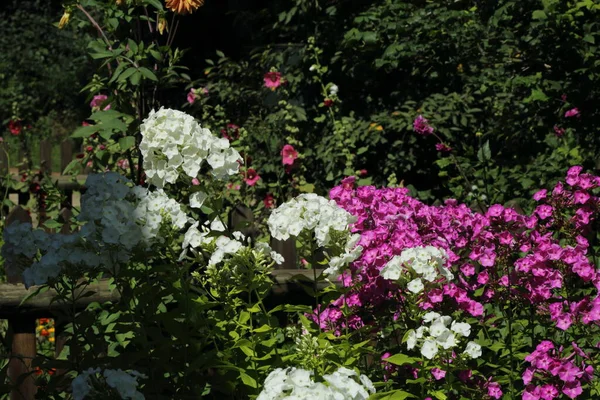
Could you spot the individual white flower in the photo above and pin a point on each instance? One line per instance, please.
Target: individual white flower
(431, 316)
(473, 350)
(367, 383)
(446, 339)
(197, 199)
(429, 349)
(415, 286)
(333, 90)
(266, 249)
(461, 328)
(225, 246)
(437, 327)
(393, 269)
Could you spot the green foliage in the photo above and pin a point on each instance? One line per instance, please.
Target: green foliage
(42, 69)
(491, 72)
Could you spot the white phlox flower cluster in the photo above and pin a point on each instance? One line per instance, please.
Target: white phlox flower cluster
(153, 207)
(351, 253)
(295, 384)
(173, 142)
(442, 332)
(427, 263)
(312, 213)
(124, 382)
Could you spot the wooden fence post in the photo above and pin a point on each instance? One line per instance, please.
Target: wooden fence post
(22, 326)
(287, 248)
(46, 156)
(66, 154)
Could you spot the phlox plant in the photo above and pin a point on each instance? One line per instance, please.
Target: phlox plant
(469, 305)
(192, 318)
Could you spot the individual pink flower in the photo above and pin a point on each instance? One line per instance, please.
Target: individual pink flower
(269, 201)
(98, 101)
(573, 112)
(442, 147)
(15, 127)
(422, 127)
(272, 80)
(251, 177)
(494, 390)
(559, 131)
(195, 182)
(231, 132)
(191, 96)
(288, 154)
(438, 373)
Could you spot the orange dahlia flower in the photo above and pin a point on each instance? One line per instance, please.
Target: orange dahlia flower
(184, 6)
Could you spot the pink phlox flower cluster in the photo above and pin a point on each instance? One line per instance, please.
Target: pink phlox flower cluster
(551, 373)
(500, 255)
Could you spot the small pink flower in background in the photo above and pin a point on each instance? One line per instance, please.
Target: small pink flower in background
(195, 182)
(85, 123)
(288, 154)
(327, 102)
(269, 201)
(563, 97)
(438, 373)
(443, 148)
(123, 164)
(15, 127)
(272, 80)
(98, 101)
(559, 131)
(362, 172)
(194, 94)
(348, 182)
(191, 96)
(232, 132)
(251, 177)
(422, 127)
(573, 112)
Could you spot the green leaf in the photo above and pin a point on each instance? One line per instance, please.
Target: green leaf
(539, 15)
(128, 72)
(264, 328)
(248, 380)
(154, 3)
(126, 142)
(148, 74)
(85, 131)
(589, 38)
(400, 359)
(395, 395)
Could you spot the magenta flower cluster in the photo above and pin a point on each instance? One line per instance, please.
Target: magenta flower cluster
(551, 373)
(539, 260)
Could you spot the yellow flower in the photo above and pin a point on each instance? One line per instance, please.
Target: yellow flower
(64, 20)
(373, 125)
(379, 128)
(184, 6)
(460, 68)
(51, 339)
(51, 330)
(396, 113)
